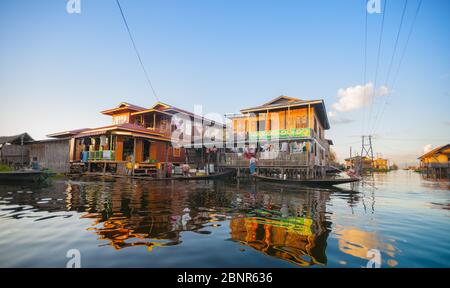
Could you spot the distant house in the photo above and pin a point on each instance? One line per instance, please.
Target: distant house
(18, 151)
(355, 161)
(13, 150)
(436, 163)
(51, 154)
(381, 164)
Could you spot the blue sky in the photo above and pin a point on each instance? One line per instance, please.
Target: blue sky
(58, 70)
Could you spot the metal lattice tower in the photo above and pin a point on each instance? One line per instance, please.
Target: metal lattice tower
(366, 151)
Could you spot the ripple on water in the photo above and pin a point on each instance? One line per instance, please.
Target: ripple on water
(213, 223)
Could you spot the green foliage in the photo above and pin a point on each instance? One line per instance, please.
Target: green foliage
(5, 168)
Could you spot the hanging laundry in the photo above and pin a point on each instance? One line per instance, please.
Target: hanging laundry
(103, 140)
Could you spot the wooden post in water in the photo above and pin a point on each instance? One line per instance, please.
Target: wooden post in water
(167, 159)
(21, 151)
(134, 155)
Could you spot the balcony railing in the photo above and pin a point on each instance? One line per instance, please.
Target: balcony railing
(436, 165)
(282, 159)
(165, 132)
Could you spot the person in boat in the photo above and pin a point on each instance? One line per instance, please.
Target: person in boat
(35, 164)
(185, 169)
(351, 173)
(252, 165)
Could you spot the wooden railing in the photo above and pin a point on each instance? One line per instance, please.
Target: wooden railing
(281, 160)
(101, 155)
(436, 165)
(165, 132)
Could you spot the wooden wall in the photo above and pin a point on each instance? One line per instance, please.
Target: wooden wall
(284, 120)
(158, 152)
(53, 155)
(12, 154)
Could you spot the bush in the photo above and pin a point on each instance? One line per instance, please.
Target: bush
(5, 168)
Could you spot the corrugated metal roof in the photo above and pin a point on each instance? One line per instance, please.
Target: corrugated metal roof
(16, 139)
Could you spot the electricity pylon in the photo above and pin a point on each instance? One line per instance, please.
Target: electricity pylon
(366, 151)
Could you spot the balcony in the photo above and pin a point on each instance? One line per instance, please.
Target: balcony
(281, 160)
(436, 165)
(164, 132)
(282, 134)
(105, 155)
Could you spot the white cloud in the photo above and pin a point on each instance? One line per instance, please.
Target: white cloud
(352, 98)
(427, 148)
(335, 118)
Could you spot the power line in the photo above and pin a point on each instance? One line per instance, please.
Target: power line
(365, 70)
(396, 42)
(378, 61)
(407, 42)
(136, 50)
(381, 110)
(404, 51)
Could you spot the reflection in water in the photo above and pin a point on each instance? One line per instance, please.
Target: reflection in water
(292, 224)
(357, 243)
(288, 226)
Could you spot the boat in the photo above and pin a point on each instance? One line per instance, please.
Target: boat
(28, 176)
(205, 177)
(181, 178)
(309, 182)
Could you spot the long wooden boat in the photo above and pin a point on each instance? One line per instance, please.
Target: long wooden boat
(205, 177)
(309, 182)
(148, 178)
(24, 176)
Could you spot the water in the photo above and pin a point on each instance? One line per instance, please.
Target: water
(127, 223)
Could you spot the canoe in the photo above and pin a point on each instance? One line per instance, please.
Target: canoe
(205, 177)
(309, 182)
(23, 176)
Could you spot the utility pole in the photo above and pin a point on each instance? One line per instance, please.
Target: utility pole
(366, 151)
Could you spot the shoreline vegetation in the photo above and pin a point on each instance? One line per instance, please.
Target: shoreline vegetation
(5, 168)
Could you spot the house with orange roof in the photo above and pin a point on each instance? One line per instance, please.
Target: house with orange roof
(436, 163)
(286, 135)
(138, 137)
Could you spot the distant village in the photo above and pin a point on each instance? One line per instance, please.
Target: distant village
(139, 142)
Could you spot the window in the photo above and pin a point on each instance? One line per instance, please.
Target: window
(300, 122)
(163, 125)
(253, 126)
(120, 119)
(262, 125)
(176, 152)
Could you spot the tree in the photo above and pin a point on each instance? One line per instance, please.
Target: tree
(332, 157)
(394, 167)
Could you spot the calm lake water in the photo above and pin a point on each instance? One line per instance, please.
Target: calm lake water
(132, 223)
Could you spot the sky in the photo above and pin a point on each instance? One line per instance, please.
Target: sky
(59, 70)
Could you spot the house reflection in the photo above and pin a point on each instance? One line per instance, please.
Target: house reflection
(358, 243)
(129, 215)
(290, 226)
